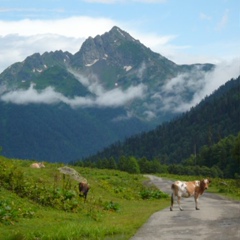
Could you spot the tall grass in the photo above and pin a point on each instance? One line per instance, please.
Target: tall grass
(44, 204)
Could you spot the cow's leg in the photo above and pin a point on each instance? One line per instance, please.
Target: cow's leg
(172, 200)
(179, 203)
(196, 202)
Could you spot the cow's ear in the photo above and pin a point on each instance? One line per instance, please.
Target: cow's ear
(209, 180)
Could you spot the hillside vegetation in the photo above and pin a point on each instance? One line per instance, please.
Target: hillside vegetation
(44, 203)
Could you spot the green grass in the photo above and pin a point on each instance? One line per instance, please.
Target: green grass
(114, 208)
(43, 204)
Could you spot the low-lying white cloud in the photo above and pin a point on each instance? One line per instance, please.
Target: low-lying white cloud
(201, 83)
(31, 95)
(113, 98)
(117, 97)
(172, 97)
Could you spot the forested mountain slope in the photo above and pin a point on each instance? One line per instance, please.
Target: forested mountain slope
(214, 118)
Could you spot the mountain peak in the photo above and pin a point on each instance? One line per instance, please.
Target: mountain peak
(119, 33)
(102, 47)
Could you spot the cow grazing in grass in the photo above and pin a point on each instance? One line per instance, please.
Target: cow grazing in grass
(37, 165)
(83, 189)
(188, 189)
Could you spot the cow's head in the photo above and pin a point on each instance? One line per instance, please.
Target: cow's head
(204, 184)
(41, 165)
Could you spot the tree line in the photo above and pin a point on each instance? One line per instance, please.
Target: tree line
(218, 160)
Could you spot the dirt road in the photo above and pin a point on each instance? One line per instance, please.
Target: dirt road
(217, 219)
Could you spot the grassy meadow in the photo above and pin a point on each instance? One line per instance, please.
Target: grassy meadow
(44, 203)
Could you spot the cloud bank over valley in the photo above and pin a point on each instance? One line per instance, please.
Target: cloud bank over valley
(202, 84)
(170, 99)
(100, 97)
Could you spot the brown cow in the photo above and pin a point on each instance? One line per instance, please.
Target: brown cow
(37, 165)
(83, 189)
(188, 189)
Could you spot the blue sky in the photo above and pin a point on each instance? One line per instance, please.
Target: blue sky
(184, 31)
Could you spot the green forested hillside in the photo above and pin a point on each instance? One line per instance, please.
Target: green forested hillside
(58, 133)
(218, 160)
(215, 118)
(224, 155)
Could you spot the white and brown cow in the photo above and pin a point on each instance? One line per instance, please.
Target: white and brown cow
(188, 189)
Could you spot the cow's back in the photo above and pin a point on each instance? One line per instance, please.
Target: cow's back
(37, 165)
(183, 189)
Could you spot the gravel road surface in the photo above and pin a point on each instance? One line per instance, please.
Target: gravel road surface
(217, 219)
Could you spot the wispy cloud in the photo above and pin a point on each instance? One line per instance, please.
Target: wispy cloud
(202, 84)
(204, 16)
(155, 40)
(223, 22)
(64, 27)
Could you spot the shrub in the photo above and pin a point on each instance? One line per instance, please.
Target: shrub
(152, 194)
(112, 206)
(9, 213)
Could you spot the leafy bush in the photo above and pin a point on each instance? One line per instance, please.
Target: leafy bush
(152, 194)
(9, 213)
(112, 206)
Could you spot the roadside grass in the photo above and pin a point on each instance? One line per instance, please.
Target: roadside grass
(115, 208)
